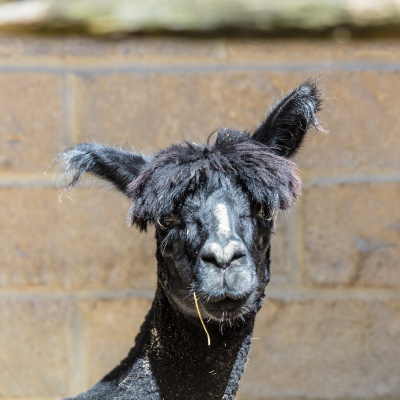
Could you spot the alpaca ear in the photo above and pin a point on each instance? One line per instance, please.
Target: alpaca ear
(288, 121)
(116, 166)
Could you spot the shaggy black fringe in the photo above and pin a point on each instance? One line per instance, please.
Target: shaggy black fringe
(176, 172)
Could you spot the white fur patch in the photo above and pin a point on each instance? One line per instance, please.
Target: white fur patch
(224, 226)
(223, 254)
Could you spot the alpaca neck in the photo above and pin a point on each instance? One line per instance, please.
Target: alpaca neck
(182, 363)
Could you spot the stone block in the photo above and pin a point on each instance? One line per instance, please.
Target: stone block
(325, 348)
(36, 342)
(153, 110)
(362, 120)
(111, 326)
(30, 121)
(74, 245)
(352, 234)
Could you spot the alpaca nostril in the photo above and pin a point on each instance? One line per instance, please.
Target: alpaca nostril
(221, 262)
(237, 256)
(210, 259)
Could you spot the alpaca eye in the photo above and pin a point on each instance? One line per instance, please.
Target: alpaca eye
(166, 222)
(265, 214)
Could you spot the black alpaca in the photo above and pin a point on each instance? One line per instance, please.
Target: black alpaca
(213, 209)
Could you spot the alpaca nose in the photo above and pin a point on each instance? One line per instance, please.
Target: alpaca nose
(222, 256)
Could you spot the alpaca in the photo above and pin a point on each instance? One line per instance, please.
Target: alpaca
(213, 208)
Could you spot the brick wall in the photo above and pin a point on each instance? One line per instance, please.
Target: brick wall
(75, 283)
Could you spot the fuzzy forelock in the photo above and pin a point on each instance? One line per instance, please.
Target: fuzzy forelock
(181, 169)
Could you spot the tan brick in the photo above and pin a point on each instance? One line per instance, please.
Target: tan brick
(352, 234)
(36, 347)
(362, 121)
(110, 330)
(325, 348)
(83, 244)
(30, 120)
(151, 110)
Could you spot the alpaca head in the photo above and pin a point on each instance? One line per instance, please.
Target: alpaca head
(213, 206)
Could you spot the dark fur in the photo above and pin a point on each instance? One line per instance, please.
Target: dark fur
(250, 178)
(117, 166)
(287, 123)
(179, 170)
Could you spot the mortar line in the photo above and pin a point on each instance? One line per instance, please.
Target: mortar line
(287, 292)
(79, 376)
(187, 67)
(29, 294)
(68, 110)
(295, 245)
(352, 178)
(325, 180)
(34, 183)
(331, 294)
(7, 179)
(51, 181)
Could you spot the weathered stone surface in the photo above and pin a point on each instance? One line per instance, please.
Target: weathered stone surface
(362, 119)
(111, 326)
(325, 348)
(83, 244)
(93, 53)
(311, 347)
(35, 348)
(352, 234)
(151, 110)
(30, 121)
(257, 16)
(282, 268)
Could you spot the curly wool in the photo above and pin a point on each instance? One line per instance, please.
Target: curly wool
(181, 169)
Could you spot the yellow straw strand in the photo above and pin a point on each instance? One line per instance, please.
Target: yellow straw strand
(201, 319)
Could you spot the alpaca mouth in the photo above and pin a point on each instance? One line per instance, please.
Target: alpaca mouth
(227, 303)
(225, 295)
(231, 304)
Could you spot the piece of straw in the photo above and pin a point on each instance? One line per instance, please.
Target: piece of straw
(201, 319)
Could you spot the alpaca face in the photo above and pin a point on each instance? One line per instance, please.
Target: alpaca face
(212, 205)
(216, 245)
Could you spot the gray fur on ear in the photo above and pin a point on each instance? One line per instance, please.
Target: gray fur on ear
(114, 165)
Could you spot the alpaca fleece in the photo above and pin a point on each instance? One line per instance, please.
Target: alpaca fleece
(213, 210)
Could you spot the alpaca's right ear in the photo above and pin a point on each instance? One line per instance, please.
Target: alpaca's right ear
(288, 121)
(116, 166)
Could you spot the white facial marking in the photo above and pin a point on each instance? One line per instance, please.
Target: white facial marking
(217, 250)
(224, 228)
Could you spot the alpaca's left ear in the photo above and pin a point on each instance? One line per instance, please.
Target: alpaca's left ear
(288, 121)
(117, 166)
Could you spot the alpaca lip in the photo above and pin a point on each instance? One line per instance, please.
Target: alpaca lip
(227, 303)
(226, 296)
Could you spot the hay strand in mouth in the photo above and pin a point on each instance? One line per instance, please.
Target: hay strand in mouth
(201, 319)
